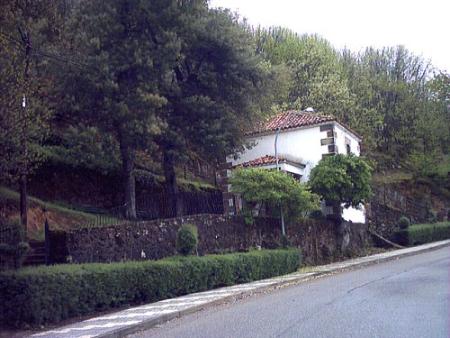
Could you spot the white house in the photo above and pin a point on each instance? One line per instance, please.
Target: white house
(303, 139)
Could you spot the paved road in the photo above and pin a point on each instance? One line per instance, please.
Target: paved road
(408, 297)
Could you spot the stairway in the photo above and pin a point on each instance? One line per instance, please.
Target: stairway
(36, 255)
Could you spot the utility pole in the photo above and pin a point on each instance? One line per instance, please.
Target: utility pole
(283, 229)
(25, 35)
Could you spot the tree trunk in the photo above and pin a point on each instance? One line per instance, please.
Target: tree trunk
(23, 202)
(175, 206)
(342, 228)
(128, 180)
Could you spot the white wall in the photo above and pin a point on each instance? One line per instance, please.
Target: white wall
(355, 215)
(302, 144)
(340, 135)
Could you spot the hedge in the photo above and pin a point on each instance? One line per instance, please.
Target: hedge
(423, 233)
(44, 295)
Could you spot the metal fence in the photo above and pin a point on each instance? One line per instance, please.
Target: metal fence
(151, 206)
(159, 205)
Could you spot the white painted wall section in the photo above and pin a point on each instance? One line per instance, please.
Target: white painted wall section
(355, 215)
(302, 144)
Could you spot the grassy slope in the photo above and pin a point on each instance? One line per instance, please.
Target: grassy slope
(59, 217)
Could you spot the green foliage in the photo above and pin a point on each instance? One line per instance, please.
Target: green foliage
(85, 147)
(316, 214)
(403, 222)
(423, 233)
(44, 295)
(10, 229)
(388, 95)
(342, 179)
(24, 72)
(275, 188)
(316, 78)
(13, 255)
(187, 239)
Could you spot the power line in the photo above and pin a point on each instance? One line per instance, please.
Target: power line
(39, 52)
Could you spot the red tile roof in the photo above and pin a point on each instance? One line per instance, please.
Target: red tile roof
(293, 119)
(265, 160)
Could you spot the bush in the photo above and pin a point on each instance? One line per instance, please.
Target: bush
(423, 233)
(317, 214)
(12, 256)
(187, 240)
(11, 230)
(403, 222)
(43, 295)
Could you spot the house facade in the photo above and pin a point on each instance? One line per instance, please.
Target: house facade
(302, 140)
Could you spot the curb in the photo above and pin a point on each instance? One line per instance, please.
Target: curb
(302, 277)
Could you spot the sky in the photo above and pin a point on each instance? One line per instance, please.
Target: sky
(423, 27)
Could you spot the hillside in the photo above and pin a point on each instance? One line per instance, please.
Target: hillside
(59, 217)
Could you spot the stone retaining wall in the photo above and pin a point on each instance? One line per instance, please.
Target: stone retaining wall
(217, 234)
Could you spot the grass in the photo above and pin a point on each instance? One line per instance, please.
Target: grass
(11, 195)
(60, 217)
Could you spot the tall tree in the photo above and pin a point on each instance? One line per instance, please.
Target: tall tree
(218, 89)
(317, 79)
(26, 29)
(125, 51)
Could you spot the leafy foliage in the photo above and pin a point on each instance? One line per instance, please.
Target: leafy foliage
(43, 295)
(404, 222)
(388, 95)
(187, 240)
(274, 188)
(423, 233)
(13, 256)
(84, 147)
(342, 179)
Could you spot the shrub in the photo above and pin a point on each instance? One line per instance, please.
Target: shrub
(12, 256)
(403, 222)
(11, 230)
(423, 233)
(316, 214)
(187, 239)
(42, 295)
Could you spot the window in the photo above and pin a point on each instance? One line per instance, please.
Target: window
(347, 146)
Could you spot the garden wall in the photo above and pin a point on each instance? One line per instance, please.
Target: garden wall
(217, 234)
(416, 201)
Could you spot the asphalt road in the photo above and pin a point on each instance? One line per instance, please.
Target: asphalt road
(408, 297)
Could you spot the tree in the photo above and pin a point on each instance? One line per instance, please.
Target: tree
(124, 50)
(342, 179)
(389, 87)
(275, 189)
(218, 88)
(317, 79)
(27, 27)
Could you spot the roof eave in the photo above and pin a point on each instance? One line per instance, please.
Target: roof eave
(273, 131)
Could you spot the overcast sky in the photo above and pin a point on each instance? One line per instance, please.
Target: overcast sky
(422, 26)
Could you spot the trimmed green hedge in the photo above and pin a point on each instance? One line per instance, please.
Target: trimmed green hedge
(42, 295)
(423, 233)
